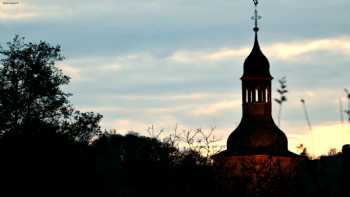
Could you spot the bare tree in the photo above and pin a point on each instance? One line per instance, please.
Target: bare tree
(190, 137)
(152, 133)
(208, 143)
(198, 140)
(282, 91)
(173, 138)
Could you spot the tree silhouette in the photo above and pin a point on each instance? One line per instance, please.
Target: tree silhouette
(31, 94)
(30, 84)
(189, 140)
(134, 165)
(43, 140)
(82, 126)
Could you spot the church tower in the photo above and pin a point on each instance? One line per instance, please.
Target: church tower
(257, 149)
(257, 134)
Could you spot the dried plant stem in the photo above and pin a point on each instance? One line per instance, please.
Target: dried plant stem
(308, 123)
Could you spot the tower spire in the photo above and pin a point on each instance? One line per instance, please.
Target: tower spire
(256, 17)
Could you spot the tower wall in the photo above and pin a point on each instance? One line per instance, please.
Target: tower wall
(258, 175)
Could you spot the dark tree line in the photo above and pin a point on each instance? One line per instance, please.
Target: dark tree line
(47, 147)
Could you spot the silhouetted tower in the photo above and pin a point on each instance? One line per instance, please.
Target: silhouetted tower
(257, 133)
(257, 141)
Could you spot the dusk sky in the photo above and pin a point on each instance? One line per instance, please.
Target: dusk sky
(166, 62)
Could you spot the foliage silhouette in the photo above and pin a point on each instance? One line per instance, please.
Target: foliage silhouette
(30, 84)
(39, 161)
(133, 165)
(30, 92)
(82, 126)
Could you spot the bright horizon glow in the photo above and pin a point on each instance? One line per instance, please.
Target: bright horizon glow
(318, 142)
(326, 136)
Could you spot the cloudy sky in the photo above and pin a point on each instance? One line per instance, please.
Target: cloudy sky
(178, 62)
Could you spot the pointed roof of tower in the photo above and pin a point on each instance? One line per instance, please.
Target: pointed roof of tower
(256, 64)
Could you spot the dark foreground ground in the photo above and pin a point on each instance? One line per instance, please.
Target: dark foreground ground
(51, 164)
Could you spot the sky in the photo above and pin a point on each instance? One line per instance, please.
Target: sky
(178, 62)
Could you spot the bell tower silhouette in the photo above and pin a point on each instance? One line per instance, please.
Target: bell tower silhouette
(257, 149)
(257, 133)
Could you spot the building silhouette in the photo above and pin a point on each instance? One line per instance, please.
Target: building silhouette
(257, 134)
(257, 158)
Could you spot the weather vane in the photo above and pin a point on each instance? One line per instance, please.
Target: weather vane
(256, 16)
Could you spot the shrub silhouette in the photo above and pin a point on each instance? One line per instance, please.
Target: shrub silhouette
(133, 165)
(39, 161)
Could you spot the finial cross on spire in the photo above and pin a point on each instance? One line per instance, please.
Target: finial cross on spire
(256, 16)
